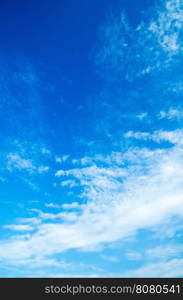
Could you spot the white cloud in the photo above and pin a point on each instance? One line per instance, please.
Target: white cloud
(16, 227)
(60, 173)
(126, 53)
(165, 252)
(174, 137)
(33, 221)
(32, 185)
(151, 194)
(70, 183)
(15, 161)
(40, 262)
(61, 159)
(142, 116)
(171, 114)
(52, 205)
(167, 27)
(110, 258)
(42, 216)
(71, 205)
(45, 151)
(172, 268)
(42, 169)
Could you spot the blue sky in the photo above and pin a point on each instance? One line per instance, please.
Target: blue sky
(91, 135)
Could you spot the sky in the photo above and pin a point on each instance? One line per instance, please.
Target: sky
(91, 138)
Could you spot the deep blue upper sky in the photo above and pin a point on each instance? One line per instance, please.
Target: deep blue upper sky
(59, 35)
(58, 40)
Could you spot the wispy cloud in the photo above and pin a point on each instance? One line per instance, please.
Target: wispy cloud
(61, 159)
(174, 137)
(171, 268)
(16, 162)
(17, 227)
(171, 114)
(129, 53)
(45, 151)
(154, 182)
